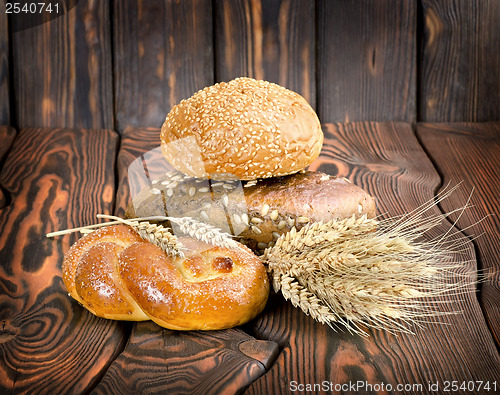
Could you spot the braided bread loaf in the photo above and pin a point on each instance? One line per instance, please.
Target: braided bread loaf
(116, 274)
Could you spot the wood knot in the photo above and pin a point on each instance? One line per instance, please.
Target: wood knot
(4, 198)
(8, 331)
(261, 350)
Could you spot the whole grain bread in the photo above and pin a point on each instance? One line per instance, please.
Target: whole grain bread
(257, 212)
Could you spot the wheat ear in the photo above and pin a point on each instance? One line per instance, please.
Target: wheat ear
(204, 232)
(154, 233)
(162, 236)
(359, 271)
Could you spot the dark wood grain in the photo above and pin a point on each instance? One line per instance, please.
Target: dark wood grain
(4, 68)
(459, 79)
(158, 360)
(387, 160)
(62, 70)
(270, 40)
(57, 179)
(7, 135)
(163, 53)
(136, 167)
(469, 155)
(366, 60)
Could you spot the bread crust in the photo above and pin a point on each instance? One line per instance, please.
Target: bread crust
(116, 274)
(257, 212)
(244, 129)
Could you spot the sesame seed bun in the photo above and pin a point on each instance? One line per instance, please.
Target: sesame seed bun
(244, 129)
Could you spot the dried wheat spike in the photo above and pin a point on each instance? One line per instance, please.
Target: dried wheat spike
(158, 235)
(359, 271)
(162, 236)
(204, 232)
(153, 233)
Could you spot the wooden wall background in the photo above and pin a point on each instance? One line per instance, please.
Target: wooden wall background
(118, 63)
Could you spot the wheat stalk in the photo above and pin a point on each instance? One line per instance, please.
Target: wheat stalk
(359, 271)
(204, 232)
(156, 234)
(162, 236)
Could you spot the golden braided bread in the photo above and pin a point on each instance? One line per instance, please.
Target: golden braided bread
(116, 274)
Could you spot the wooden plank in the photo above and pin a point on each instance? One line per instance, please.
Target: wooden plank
(386, 160)
(4, 68)
(58, 179)
(366, 60)
(469, 154)
(157, 360)
(7, 136)
(62, 70)
(460, 59)
(135, 143)
(270, 40)
(163, 53)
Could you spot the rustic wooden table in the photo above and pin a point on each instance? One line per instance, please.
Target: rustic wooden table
(61, 178)
(78, 94)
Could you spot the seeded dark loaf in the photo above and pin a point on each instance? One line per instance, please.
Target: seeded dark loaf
(256, 211)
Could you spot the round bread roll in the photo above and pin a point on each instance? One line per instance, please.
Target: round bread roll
(245, 129)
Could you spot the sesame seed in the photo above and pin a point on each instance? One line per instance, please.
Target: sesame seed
(281, 225)
(244, 219)
(274, 215)
(204, 216)
(265, 210)
(192, 191)
(256, 220)
(155, 191)
(237, 219)
(256, 230)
